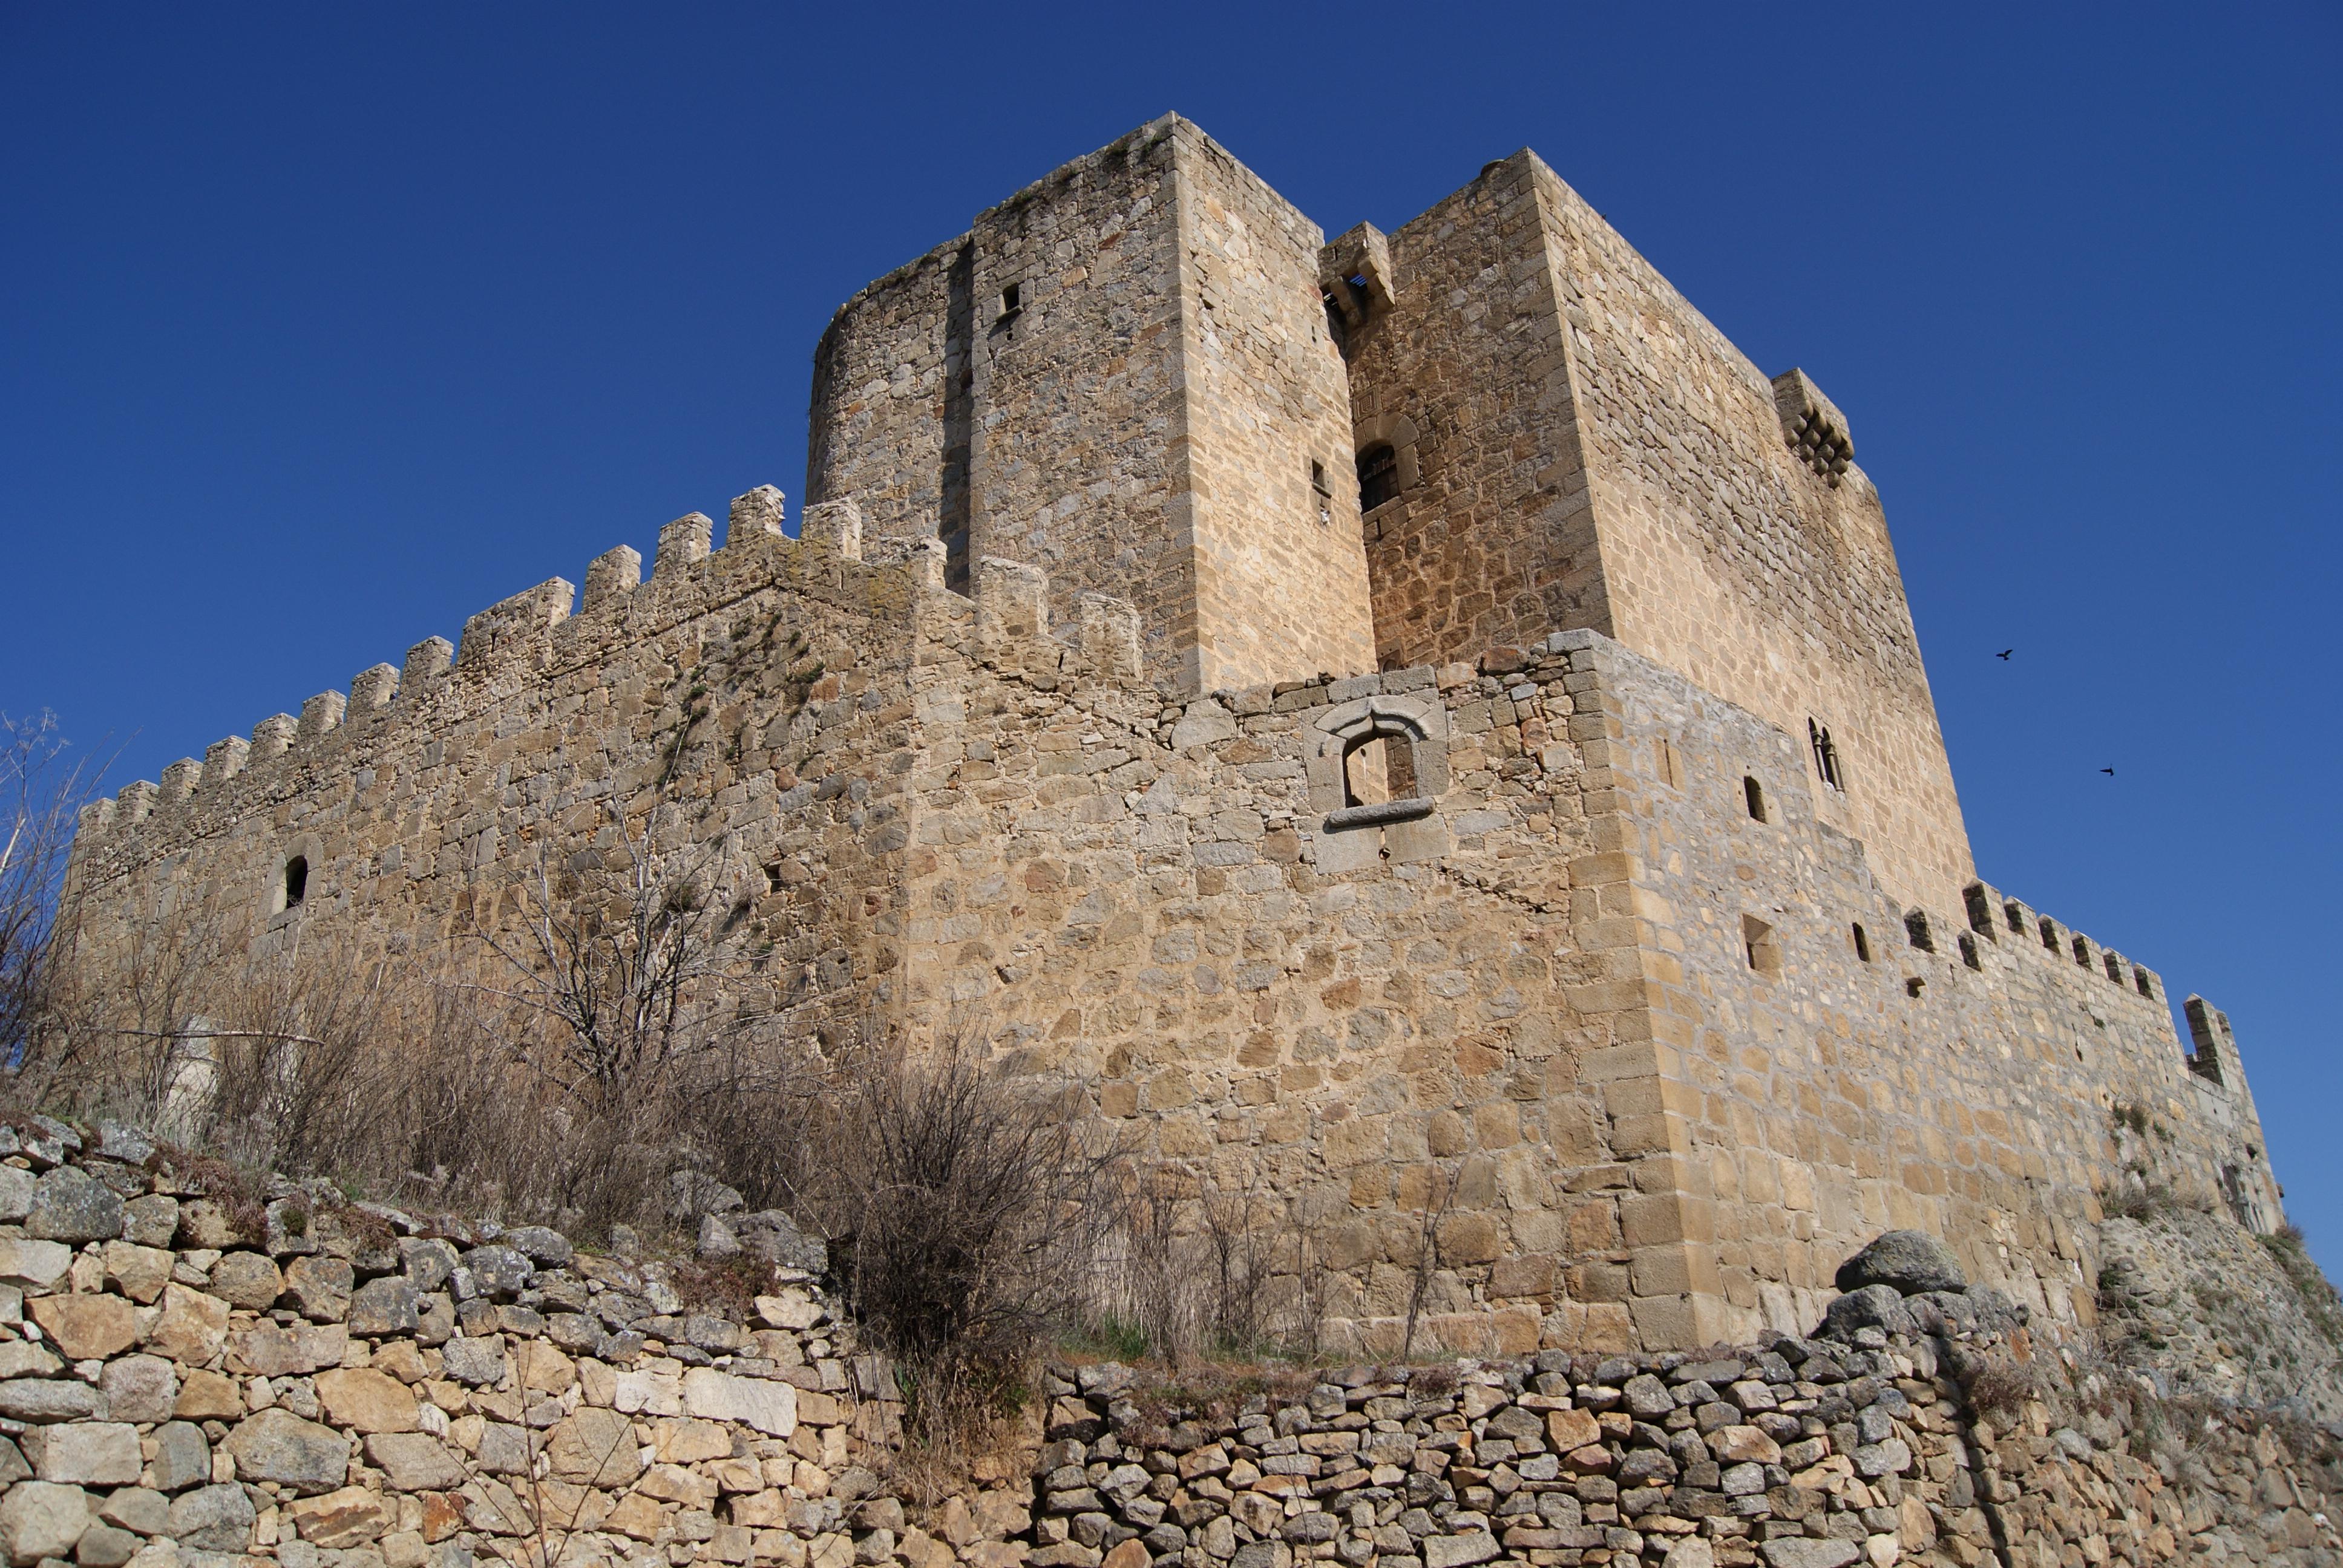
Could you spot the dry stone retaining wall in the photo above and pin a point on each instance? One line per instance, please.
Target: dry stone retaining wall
(362, 1390)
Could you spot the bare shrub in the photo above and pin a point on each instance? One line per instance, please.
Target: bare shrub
(42, 792)
(965, 1211)
(2003, 1386)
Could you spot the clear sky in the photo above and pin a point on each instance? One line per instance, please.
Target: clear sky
(327, 325)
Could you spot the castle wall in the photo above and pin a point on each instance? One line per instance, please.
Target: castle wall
(1139, 419)
(1540, 993)
(733, 703)
(1281, 579)
(1796, 1097)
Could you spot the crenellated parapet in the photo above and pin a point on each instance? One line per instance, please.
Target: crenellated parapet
(545, 630)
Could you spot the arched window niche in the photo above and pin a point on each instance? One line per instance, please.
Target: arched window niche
(1385, 444)
(293, 881)
(1378, 759)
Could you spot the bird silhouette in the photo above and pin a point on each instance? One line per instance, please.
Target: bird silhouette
(2004, 653)
(2108, 771)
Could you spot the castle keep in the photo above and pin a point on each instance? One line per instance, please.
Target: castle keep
(1410, 720)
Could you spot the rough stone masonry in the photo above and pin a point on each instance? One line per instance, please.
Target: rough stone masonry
(1409, 721)
(354, 1386)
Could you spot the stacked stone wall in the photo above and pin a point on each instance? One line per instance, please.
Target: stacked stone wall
(356, 1387)
(191, 1379)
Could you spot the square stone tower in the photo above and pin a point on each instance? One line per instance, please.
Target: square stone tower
(1125, 375)
(1551, 437)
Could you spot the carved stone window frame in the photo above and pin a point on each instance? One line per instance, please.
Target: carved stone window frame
(304, 848)
(1419, 723)
(1399, 432)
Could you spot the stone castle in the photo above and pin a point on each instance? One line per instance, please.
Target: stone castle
(1411, 720)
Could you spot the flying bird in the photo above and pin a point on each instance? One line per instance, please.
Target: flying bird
(2108, 771)
(2004, 653)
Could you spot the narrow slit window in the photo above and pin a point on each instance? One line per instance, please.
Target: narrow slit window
(2016, 920)
(1914, 986)
(297, 880)
(1321, 492)
(1012, 305)
(1378, 476)
(1862, 943)
(1754, 794)
(2083, 951)
(1915, 928)
(1826, 762)
(1969, 953)
(1757, 945)
(1980, 911)
(2139, 978)
(2114, 968)
(2049, 934)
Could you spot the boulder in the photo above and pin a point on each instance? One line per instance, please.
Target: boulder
(16, 1194)
(320, 1288)
(86, 1452)
(103, 1546)
(141, 1389)
(493, 1270)
(42, 1519)
(191, 1327)
(277, 1445)
(546, 1248)
(33, 1265)
(214, 1519)
(597, 1447)
(385, 1306)
(428, 1261)
(366, 1401)
(69, 1204)
(350, 1516)
(773, 1236)
(86, 1327)
(415, 1461)
(152, 1220)
(272, 1351)
(46, 1399)
(139, 1273)
(22, 1358)
(1872, 1307)
(1909, 1261)
(135, 1507)
(183, 1458)
(770, 1407)
(475, 1360)
(209, 1396)
(249, 1279)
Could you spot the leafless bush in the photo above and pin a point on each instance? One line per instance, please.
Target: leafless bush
(1195, 1272)
(965, 1211)
(2003, 1386)
(42, 792)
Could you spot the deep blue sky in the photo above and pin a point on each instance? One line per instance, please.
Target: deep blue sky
(325, 329)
